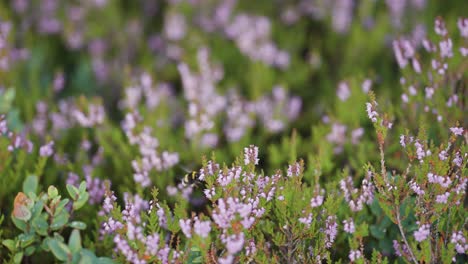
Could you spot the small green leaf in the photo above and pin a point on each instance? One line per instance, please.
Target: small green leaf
(87, 256)
(20, 224)
(18, 257)
(52, 192)
(45, 244)
(72, 191)
(26, 240)
(376, 232)
(37, 209)
(81, 201)
(61, 205)
(195, 256)
(59, 221)
(40, 225)
(82, 187)
(103, 260)
(30, 184)
(59, 249)
(86, 259)
(78, 225)
(74, 243)
(29, 250)
(10, 244)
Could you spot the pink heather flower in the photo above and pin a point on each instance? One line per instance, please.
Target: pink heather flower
(96, 115)
(402, 141)
(342, 15)
(110, 226)
(96, 188)
(47, 150)
(442, 198)
(73, 179)
(420, 151)
(452, 100)
(366, 85)
(234, 243)
(294, 169)
(458, 160)
(152, 244)
(356, 135)
(429, 46)
(3, 125)
(251, 248)
(440, 28)
(59, 81)
(343, 91)
(464, 51)
(348, 226)
(460, 242)
(201, 228)
(185, 226)
(337, 134)
(251, 155)
(331, 230)
(123, 247)
(460, 188)
(396, 247)
(443, 155)
(371, 113)
(422, 233)
(306, 220)
(416, 188)
(108, 203)
(412, 90)
(462, 24)
(175, 27)
(429, 92)
(316, 201)
(457, 131)
(354, 255)
(446, 48)
(209, 193)
(171, 190)
(404, 98)
(400, 250)
(402, 61)
(416, 65)
(443, 181)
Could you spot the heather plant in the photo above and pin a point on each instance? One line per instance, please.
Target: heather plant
(233, 131)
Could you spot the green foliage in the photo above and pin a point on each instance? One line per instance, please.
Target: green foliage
(43, 217)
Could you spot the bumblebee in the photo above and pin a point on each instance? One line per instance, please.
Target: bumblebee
(191, 179)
